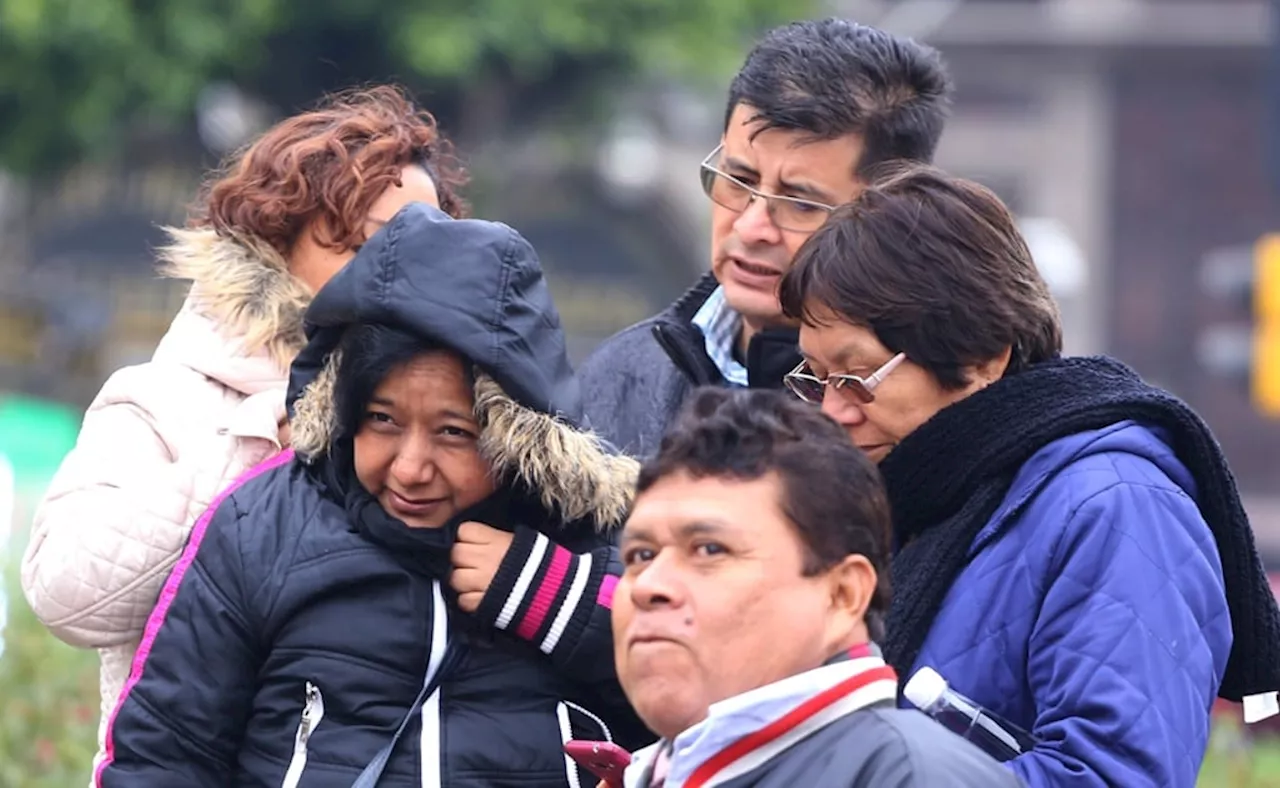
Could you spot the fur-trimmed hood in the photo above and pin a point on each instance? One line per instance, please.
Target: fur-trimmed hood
(476, 287)
(569, 469)
(243, 286)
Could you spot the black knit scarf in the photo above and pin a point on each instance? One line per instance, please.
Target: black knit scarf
(947, 479)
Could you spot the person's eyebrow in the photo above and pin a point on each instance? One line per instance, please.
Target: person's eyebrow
(850, 356)
(685, 531)
(790, 188)
(734, 163)
(702, 527)
(461, 415)
(807, 191)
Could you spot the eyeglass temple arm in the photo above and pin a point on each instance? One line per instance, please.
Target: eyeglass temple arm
(883, 372)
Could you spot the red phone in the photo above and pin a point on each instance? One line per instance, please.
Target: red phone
(604, 759)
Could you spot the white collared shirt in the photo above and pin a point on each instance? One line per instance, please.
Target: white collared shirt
(720, 326)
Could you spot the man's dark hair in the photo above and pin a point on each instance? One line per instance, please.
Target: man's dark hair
(935, 267)
(831, 492)
(832, 77)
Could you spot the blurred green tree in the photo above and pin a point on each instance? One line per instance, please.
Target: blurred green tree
(76, 74)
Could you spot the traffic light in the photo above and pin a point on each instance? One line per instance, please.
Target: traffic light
(1246, 346)
(1265, 367)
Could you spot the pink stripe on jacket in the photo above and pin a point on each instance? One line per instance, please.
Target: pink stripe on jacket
(170, 590)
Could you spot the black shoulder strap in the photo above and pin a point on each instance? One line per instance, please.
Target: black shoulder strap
(373, 772)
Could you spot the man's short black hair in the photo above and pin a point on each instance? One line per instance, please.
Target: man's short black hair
(831, 492)
(832, 77)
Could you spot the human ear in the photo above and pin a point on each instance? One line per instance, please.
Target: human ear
(851, 585)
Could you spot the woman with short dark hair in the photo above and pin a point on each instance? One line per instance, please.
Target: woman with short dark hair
(1070, 548)
(419, 594)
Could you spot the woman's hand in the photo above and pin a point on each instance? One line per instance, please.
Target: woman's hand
(477, 553)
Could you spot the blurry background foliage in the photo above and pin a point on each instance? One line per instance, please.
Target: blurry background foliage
(75, 73)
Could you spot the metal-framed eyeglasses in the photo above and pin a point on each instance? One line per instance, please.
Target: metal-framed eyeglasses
(787, 213)
(810, 388)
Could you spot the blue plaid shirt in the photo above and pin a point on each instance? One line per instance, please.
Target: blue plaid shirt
(720, 325)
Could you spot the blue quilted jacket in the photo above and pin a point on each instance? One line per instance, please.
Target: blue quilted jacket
(1098, 619)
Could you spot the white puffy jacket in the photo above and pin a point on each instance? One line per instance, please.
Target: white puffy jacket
(159, 441)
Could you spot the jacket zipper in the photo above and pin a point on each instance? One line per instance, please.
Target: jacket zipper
(432, 756)
(566, 735)
(312, 713)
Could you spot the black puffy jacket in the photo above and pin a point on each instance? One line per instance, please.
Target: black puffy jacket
(302, 621)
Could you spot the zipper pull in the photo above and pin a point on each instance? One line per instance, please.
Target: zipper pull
(312, 712)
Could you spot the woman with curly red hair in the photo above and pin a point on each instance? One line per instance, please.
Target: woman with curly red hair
(161, 439)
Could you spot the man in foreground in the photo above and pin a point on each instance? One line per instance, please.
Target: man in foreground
(816, 106)
(744, 623)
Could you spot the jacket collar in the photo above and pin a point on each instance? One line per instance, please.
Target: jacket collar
(731, 741)
(196, 341)
(243, 288)
(688, 304)
(771, 354)
(241, 324)
(720, 326)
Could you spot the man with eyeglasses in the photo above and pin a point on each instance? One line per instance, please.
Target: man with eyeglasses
(816, 106)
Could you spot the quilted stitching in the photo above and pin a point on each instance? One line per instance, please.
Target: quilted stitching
(150, 457)
(109, 528)
(1099, 619)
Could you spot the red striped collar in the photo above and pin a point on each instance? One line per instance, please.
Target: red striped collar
(859, 651)
(731, 742)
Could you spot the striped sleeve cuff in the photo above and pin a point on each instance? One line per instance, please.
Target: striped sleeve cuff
(541, 591)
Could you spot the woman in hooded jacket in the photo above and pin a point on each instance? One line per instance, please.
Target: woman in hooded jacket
(163, 437)
(419, 593)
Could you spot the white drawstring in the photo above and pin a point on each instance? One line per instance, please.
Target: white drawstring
(608, 735)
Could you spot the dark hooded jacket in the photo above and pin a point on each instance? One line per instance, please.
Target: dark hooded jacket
(302, 620)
